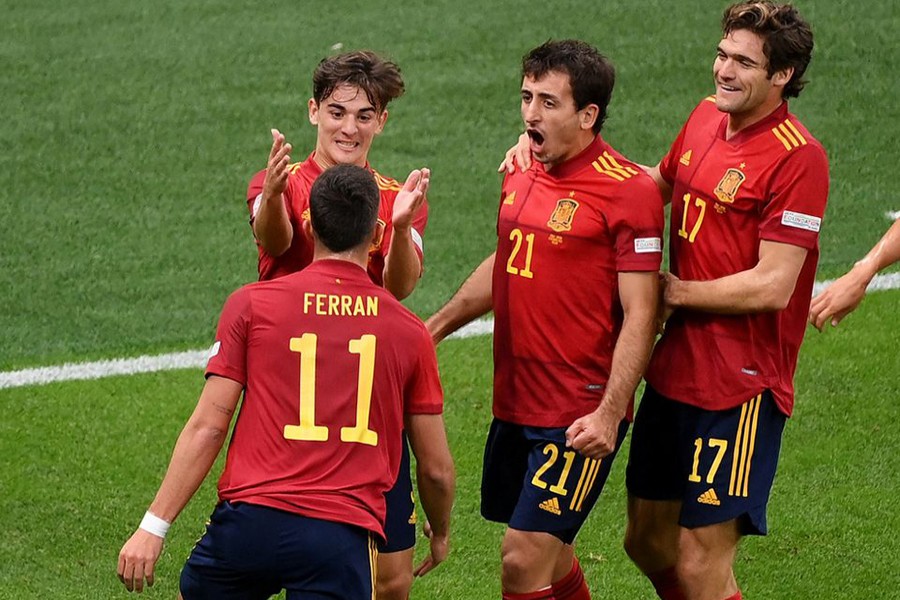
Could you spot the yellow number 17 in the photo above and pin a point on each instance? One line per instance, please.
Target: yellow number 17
(683, 232)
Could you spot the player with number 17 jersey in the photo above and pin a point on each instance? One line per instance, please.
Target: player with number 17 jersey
(323, 453)
(768, 182)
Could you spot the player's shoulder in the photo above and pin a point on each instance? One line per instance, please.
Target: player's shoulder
(791, 136)
(705, 113)
(622, 173)
(385, 183)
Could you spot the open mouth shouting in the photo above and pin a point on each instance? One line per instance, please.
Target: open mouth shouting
(537, 140)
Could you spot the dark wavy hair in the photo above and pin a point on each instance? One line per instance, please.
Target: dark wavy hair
(787, 37)
(380, 79)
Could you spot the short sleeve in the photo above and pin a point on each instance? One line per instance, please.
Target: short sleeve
(254, 193)
(793, 214)
(423, 394)
(668, 166)
(636, 223)
(228, 356)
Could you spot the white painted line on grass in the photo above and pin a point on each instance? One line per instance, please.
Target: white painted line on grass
(192, 359)
(893, 215)
(890, 281)
(196, 359)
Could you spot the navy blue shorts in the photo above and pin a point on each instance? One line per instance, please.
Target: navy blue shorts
(719, 464)
(251, 551)
(532, 482)
(400, 517)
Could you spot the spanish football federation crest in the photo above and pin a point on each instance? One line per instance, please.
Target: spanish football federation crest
(728, 186)
(563, 214)
(379, 236)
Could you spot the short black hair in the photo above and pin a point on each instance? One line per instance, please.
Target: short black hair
(343, 206)
(591, 75)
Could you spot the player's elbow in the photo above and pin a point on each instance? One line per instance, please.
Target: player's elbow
(274, 245)
(400, 289)
(274, 240)
(774, 297)
(437, 473)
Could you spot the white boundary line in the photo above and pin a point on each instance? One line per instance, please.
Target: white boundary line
(893, 215)
(196, 359)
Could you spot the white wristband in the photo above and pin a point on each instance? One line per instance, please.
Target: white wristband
(153, 524)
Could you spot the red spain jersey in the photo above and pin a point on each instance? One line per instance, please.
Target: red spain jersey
(330, 363)
(768, 182)
(563, 237)
(296, 199)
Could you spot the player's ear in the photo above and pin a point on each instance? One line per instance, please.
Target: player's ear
(308, 231)
(782, 77)
(588, 116)
(381, 119)
(313, 111)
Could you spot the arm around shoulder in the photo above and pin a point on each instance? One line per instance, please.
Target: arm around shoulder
(472, 300)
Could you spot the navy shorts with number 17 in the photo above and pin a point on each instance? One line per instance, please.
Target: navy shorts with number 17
(720, 464)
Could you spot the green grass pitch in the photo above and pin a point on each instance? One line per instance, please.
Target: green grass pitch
(129, 131)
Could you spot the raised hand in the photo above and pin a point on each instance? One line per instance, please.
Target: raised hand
(410, 198)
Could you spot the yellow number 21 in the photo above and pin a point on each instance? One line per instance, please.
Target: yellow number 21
(307, 430)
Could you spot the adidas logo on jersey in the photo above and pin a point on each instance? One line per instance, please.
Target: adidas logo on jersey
(685, 159)
(709, 497)
(551, 506)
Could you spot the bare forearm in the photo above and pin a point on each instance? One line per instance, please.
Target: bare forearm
(402, 267)
(472, 300)
(885, 253)
(629, 361)
(436, 486)
(734, 294)
(272, 226)
(193, 457)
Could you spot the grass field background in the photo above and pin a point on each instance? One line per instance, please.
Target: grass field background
(130, 129)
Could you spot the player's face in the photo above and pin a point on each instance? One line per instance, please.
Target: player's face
(744, 89)
(557, 130)
(347, 122)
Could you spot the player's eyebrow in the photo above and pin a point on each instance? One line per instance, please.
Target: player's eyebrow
(541, 95)
(738, 57)
(340, 106)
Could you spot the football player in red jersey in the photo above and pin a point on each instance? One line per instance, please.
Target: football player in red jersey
(351, 92)
(313, 452)
(748, 185)
(573, 285)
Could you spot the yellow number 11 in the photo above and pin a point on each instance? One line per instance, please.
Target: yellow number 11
(307, 430)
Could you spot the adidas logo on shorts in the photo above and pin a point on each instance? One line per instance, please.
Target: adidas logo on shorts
(709, 497)
(551, 506)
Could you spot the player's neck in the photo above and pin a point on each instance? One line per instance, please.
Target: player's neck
(358, 256)
(738, 122)
(579, 144)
